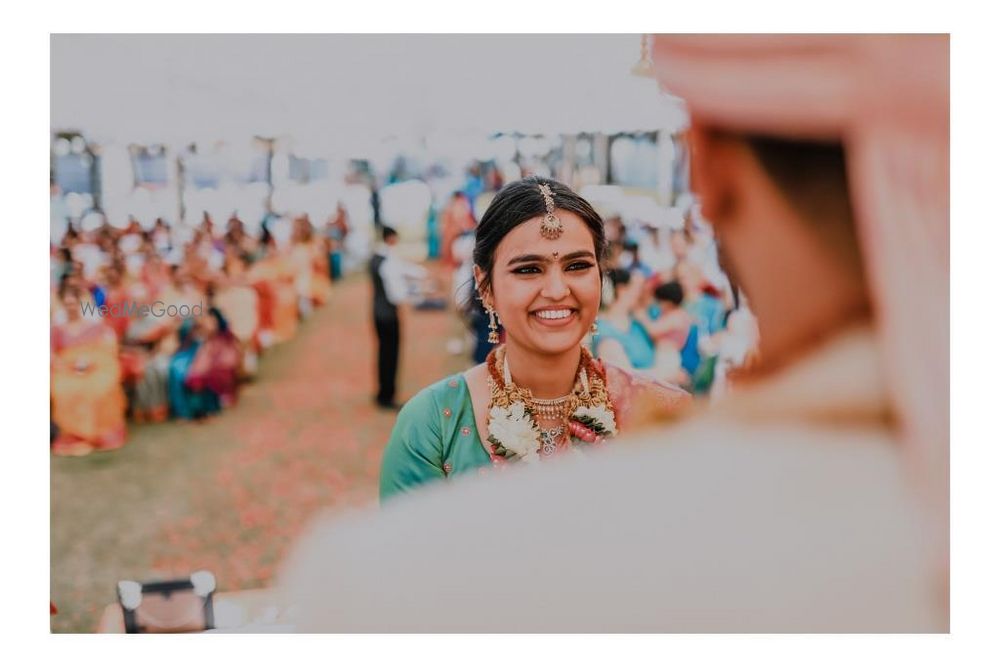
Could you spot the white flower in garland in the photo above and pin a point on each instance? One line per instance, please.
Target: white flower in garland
(598, 418)
(532, 456)
(514, 429)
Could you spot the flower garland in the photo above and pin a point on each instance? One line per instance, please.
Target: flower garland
(512, 424)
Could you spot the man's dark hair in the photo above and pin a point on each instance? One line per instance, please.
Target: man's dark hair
(388, 232)
(813, 177)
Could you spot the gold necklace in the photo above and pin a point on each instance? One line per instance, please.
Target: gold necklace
(589, 392)
(552, 409)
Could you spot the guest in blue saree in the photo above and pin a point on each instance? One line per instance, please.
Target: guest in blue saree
(185, 403)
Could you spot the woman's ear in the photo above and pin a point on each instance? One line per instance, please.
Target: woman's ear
(484, 293)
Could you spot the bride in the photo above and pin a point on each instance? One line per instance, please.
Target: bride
(537, 259)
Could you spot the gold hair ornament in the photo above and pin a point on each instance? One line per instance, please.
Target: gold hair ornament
(551, 225)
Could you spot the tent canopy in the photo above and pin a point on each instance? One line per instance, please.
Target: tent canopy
(349, 92)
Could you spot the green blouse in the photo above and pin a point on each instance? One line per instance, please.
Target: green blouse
(435, 437)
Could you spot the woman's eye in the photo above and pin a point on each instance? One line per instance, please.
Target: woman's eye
(579, 266)
(522, 270)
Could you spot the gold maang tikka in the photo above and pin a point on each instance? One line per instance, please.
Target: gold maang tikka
(551, 225)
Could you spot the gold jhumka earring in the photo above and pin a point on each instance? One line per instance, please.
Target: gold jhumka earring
(494, 337)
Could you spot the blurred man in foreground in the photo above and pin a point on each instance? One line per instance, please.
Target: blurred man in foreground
(814, 499)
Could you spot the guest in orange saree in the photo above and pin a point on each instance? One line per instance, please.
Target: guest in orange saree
(274, 279)
(88, 404)
(311, 265)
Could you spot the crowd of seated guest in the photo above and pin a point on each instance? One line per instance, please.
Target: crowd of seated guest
(149, 324)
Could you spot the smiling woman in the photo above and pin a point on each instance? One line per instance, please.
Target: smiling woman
(538, 255)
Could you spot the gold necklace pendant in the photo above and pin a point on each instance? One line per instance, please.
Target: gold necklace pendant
(550, 440)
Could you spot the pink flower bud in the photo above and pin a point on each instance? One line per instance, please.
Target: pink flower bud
(582, 432)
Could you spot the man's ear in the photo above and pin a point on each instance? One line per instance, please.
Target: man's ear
(715, 167)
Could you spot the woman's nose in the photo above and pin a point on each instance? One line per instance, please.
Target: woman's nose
(555, 287)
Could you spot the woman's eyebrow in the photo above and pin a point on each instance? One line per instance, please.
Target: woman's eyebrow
(524, 259)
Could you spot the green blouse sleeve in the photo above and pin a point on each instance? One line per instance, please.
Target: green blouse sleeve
(414, 455)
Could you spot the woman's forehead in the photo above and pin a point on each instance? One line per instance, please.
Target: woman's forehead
(527, 239)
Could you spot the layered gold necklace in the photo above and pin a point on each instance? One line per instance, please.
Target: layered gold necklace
(553, 409)
(584, 415)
